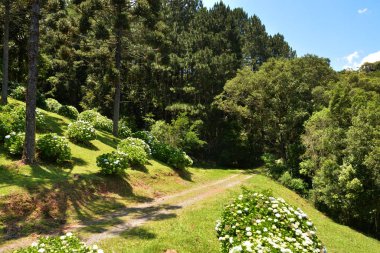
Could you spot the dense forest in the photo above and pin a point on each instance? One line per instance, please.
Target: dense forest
(211, 82)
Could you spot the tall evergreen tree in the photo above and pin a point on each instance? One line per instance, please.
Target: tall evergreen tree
(4, 93)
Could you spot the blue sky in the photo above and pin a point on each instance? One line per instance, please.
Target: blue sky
(345, 31)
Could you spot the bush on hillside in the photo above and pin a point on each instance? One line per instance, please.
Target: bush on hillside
(172, 156)
(124, 130)
(5, 124)
(89, 116)
(134, 142)
(64, 243)
(259, 223)
(14, 143)
(51, 147)
(53, 105)
(146, 136)
(104, 123)
(135, 155)
(275, 167)
(68, 111)
(296, 184)
(81, 132)
(19, 93)
(112, 163)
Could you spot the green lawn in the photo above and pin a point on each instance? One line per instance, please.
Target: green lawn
(193, 228)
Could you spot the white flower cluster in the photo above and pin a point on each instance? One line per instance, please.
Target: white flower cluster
(259, 223)
(65, 243)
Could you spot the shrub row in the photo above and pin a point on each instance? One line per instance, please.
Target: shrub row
(50, 147)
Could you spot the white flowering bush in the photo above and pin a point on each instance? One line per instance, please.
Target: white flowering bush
(81, 132)
(112, 163)
(99, 121)
(14, 143)
(259, 223)
(130, 141)
(146, 136)
(52, 105)
(124, 130)
(68, 111)
(51, 147)
(63, 244)
(104, 123)
(89, 116)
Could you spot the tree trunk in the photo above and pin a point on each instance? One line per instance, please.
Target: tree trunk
(31, 91)
(4, 93)
(116, 105)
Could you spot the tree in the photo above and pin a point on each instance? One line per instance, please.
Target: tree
(4, 93)
(31, 92)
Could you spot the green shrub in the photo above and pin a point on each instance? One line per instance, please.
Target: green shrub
(146, 136)
(275, 167)
(81, 132)
(5, 124)
(89, 116)
(170, 155)
(124, 130)
(104, 123)
(53, 105)
(259, 223)
(19, 93)
(52, 147)
(14, 143)
(64, 243)
(296, 184)
(99, 121)
(14, 119)
(112, 163)
(134, 142)
(135, 155)
(68, 111)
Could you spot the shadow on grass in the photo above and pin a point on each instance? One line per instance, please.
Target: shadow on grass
(140, 233)
(54, 124)
(88, 145)
(184, 174)
(108, 140)
(141, 168)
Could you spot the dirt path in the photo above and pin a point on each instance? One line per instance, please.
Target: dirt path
(160, 208)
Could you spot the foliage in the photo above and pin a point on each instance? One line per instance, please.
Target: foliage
(53, 105)
(181, 133)
(341, 153)
(99, 121)
(275, 167)
(130, 141)
(81, 132)
(134, 154)
(124, 129)
(52, 147)
(68, 111)
(296, 184)
(147, 137)
(14, 143)
(170, 155)
(64, 243)
(89, 116)
(112, 163)
(259, 223)
(18, 93)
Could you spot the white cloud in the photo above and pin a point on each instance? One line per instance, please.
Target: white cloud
(374, 57)
(362, 11)
(352, 61)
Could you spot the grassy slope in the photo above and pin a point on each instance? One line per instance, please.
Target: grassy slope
(193, 229)
(78, 191)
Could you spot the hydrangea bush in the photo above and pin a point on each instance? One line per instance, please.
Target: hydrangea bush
(146, 136)
(124, 130)
(14, 143)
(81, 132)
(130, 141)
(52, 105)
(112, 163)
(99, 121)
(256, 222)
(89, 116)
(171, 155)
(52, 147)
(68, 111)
(66, 243)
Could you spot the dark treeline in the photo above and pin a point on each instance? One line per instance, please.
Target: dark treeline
(214, 83)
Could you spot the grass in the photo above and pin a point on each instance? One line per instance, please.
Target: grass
(193, 228)
(46, 197)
